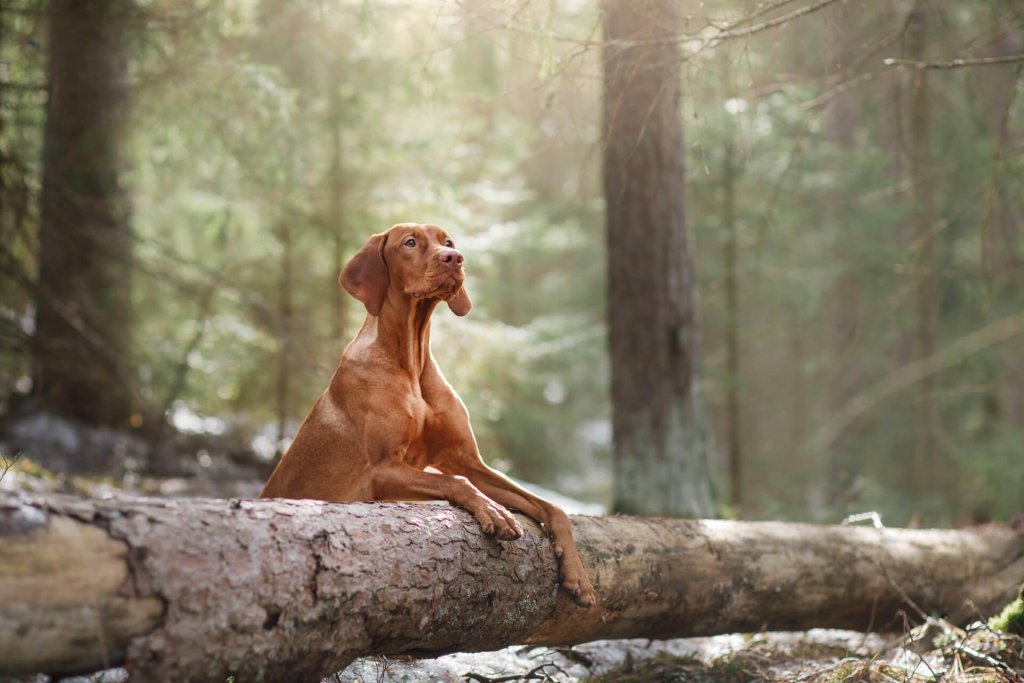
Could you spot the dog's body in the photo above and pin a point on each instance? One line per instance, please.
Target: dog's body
(389, 413)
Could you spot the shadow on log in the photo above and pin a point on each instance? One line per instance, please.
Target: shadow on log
(196, 590)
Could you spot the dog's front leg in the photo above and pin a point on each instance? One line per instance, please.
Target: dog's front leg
(399, 481)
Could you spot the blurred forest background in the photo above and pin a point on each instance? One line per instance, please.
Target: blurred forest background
(856, 225)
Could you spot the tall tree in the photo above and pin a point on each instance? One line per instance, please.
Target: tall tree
(81, 349)
(997, 91)
(843, 314)
(730, 263)
(924, 279)
(660, 434)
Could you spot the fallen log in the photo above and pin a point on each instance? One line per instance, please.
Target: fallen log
(196, 589)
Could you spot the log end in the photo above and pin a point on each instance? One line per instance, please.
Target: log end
(66, 602)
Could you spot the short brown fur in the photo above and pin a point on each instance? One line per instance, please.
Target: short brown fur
(388, 412)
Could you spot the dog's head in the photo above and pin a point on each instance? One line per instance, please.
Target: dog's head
(412, 259)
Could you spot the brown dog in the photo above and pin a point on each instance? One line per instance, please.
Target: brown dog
(389, 413)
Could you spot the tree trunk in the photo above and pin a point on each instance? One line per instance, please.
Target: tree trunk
(196, 590)
(924, 279)
(1002, 226)
(335, 221)
(661, 436)
(730, 262)
(81, 349)
(285, 332)
(844, 309)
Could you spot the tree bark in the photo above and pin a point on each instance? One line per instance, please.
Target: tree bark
(81, 349)
(661, 439)
(196, 590)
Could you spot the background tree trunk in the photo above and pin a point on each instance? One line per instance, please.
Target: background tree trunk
(924, 277)
(285, 333)
(81, 349)
(844, 312)
(196, 590)
(661, 438)
(335, 219)
(730, 263)
(1002, 223)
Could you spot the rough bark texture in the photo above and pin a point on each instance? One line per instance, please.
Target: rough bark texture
(195, 590)
(661, 435)
(82, 338)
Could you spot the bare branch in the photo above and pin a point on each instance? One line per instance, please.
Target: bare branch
(759, 11)
(955, 63)
(772, 23)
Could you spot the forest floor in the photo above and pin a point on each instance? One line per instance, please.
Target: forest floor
(823, 656)
(930, 651)
(977, 655)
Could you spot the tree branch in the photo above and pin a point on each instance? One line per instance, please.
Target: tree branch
(955, 63)
(771, 23)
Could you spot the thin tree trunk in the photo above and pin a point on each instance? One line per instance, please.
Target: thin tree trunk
(3, 156)
(1001, 223)
(661, 437)
(197, 590)
(730, 257)
(81, 350)
(340, 326)
(843, 312)
(925, 282)
(285, 342)
(179, 378)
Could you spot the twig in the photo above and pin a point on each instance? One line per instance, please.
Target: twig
(771, 23)
(873, 517)
(535, 674)
(955, 63)
(760, 10)
(8, 464)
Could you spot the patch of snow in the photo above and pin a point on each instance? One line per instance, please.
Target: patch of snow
(186, 420)
(49, 430)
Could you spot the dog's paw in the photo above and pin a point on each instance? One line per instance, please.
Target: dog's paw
(496, 521)
(580, 591)
(576, 583)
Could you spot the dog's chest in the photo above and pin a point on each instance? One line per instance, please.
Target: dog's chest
(431, 432)
(416, 414)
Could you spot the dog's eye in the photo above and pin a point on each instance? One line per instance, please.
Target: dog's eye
(449, 244)
(410, 242)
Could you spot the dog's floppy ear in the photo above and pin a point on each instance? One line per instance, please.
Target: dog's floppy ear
(366, 276)
(460, 303)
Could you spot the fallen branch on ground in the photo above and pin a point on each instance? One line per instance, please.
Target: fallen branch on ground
(192, 589)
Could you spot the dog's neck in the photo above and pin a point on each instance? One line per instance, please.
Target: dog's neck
(403, 330)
